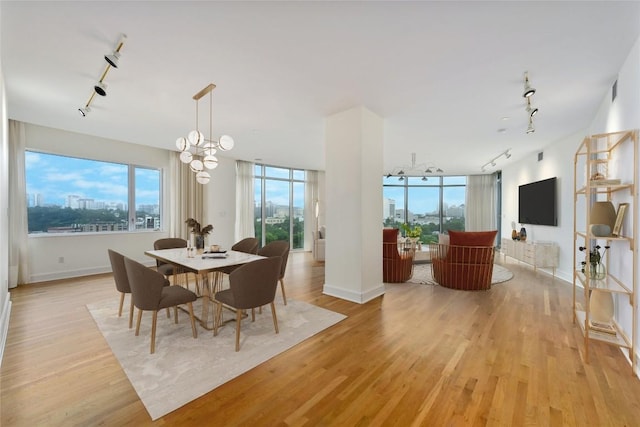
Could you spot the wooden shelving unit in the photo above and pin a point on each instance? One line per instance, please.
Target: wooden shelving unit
(617, 153)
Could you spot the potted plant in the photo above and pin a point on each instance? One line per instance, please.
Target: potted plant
(413, 234)
(198, 232)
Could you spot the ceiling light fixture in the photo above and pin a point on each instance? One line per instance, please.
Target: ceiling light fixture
(101, 87)
(198, 151)
(530, 129)
(528, 93)
(492, 162)
(414, 170)
(528, 90)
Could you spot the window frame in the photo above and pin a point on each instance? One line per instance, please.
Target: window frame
(130, 200)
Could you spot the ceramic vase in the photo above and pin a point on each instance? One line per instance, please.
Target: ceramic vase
(601, 306)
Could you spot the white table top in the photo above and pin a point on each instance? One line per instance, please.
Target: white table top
(197, 263)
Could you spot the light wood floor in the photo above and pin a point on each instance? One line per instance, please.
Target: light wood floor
(420, 355)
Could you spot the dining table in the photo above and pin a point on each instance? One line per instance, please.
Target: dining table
(206, 266)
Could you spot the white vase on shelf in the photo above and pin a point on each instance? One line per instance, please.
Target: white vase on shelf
(601, 306)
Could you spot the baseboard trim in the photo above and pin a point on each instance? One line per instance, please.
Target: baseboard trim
(349, 295)
(4, 325)
(69, 274)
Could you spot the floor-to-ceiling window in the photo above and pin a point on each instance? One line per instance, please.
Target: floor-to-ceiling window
(279, 205)
(434, 203)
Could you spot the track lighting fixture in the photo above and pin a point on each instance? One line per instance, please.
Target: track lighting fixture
(492, 162)
(100, 87)
(528, 90)
(528, 93)
(414, 170)
(531, 129)
(531, 110)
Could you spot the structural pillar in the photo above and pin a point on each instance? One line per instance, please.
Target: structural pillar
(353, 193)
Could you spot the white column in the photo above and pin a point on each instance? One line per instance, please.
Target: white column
(354, 167)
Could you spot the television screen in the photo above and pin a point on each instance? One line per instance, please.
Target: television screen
(537, 203)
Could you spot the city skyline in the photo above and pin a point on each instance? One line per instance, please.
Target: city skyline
(51, 180)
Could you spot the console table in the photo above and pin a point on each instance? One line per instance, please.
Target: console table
(537, 254)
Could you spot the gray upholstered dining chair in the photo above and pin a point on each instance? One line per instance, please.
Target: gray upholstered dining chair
(278, 248)
(251, 285)
(149, 293)
(122, 281)
(167, 269)
(247, 245)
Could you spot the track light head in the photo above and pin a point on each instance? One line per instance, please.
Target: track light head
(388, 175)
(84, 111)
(439, 170)
(507, 155)
(101, 88)
(401, 178)
(113, 59)
(424, 178)
(429, 170)
(530, 129)
(528, 90)
(533, 112)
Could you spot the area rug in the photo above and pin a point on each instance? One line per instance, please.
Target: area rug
(183, 368)
(422, 275)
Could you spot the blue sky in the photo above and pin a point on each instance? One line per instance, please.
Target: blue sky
(56, 177)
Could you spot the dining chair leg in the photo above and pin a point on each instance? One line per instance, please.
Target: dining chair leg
(175, 313)
(153, 331)
(253, 314)
(168, 313)
(138, 322)
(284, 296)
(121, 304)
(193, 320)
(217, 318)
(238, 322)
(273, 314)
(131, 314)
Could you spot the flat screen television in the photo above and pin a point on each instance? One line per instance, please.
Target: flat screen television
(537, 203)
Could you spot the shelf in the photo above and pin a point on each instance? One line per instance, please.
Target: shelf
(617, 340)
(605, 188)
(608, 284)
(594, 152)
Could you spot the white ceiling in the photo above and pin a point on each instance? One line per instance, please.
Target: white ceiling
(442, 74)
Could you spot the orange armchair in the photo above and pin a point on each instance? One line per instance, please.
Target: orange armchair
(396, 267)
(467, 262)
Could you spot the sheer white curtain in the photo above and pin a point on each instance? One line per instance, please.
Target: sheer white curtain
(480, 204)
(186, 197)
(311, 198)
(18, 229)
(244, 200)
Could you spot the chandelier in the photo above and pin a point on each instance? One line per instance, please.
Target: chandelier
(414, 169)
(198, 151)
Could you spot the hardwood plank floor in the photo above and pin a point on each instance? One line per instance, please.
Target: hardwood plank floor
(419, 355)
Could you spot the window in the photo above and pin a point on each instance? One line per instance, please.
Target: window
(436, 204)
(279, 205)
(73, 195)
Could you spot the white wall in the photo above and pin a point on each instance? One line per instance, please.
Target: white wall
(619, 115)
(86, 253)
(557, 162)
(5, 300)
(622, 114)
